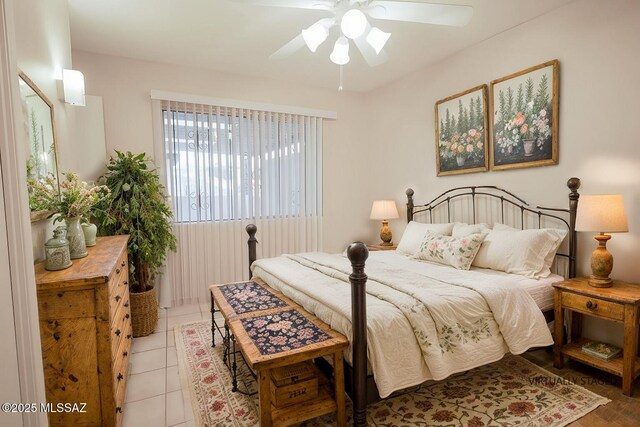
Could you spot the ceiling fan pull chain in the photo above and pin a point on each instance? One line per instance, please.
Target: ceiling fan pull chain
(341, 79)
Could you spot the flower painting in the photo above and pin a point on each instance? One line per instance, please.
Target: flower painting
(525, 118)
(461, 132)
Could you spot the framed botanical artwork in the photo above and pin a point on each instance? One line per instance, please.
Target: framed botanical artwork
(524, 119)
(461, 132)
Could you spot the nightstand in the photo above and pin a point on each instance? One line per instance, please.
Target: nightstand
(382, 247)
(619, 303)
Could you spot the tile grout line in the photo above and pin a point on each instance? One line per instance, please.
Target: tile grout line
(166, 362)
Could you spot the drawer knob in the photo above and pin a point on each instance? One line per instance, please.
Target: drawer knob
(117, 332)
(123, 264)
(125, 353)
(126, 304)
(126, 316)
(118, 409)
(592, 305)
(120, 377)
(126, 282)
(117, 271)
(118, 298)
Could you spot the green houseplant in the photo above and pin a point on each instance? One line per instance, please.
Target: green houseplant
(137, 206)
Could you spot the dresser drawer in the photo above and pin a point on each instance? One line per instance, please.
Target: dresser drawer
(593, 306)
(120, 333)
(121, 359)
(121, 273)
(118, 297)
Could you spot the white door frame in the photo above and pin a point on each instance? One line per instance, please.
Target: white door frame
(18, 227)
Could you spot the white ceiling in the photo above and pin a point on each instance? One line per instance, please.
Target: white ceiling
(237, 37)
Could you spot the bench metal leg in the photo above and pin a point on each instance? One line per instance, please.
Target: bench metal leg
(225, 341)
(213, 322)
(234, 368)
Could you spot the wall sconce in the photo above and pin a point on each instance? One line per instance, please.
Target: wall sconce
(73, 84)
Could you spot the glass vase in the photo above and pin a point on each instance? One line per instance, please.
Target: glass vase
(75, 236)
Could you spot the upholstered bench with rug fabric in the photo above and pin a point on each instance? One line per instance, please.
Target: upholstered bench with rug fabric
(272, 332)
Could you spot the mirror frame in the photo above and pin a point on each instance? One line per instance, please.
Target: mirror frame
(40, 215)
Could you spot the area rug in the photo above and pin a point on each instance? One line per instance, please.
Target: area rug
(510, 392)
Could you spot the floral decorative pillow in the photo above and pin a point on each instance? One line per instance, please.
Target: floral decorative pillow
(457, 252)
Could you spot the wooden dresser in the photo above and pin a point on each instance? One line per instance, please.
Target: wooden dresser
(85, 328)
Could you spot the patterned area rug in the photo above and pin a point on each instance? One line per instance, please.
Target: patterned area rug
(510, 392)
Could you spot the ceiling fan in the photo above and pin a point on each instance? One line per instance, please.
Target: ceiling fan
(351, 17)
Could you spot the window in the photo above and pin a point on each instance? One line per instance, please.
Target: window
(231, 164)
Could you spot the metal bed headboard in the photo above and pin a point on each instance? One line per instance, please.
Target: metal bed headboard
(507, 199)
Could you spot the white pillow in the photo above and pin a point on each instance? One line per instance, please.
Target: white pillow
(457, 252)
(461, 229)
(526, 252)
(548, 260)
(414, 235)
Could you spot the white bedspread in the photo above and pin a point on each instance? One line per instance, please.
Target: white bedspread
(424, 321)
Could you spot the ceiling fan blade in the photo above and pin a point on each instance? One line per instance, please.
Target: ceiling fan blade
(289, 49)
(424, 13)
(369, 53)
(298, 4)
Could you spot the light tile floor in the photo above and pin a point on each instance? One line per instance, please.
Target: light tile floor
(154, 394)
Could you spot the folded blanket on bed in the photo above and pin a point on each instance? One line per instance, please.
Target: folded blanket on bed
(424, 321)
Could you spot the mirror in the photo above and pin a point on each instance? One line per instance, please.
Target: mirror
(40, 127)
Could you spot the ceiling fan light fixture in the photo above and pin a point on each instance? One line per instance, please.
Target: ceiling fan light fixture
(314, 36)
(377, 39)
(340, 54)
(353, 23)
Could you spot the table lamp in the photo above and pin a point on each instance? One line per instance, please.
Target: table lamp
(604, 214)
(384, 210)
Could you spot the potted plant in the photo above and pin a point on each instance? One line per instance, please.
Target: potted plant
(137, 206)
(73, 200)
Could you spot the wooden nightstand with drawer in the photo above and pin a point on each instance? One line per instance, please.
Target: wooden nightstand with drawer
(619, 303)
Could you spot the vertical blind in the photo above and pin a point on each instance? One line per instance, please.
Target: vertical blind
(225, 168)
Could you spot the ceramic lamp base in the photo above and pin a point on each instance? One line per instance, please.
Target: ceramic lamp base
(385, 234)
(601, 263)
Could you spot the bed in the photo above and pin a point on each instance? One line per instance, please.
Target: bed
(422, 320)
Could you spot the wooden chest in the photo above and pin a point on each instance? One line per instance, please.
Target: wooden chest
(293, 384)
(85, 329)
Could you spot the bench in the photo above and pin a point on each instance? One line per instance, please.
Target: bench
(271, 331)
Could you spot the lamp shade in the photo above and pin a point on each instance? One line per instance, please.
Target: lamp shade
(602, 213)
(377, 39)
(340, 54)
(353, 24)
(384, 209)
(315, 35)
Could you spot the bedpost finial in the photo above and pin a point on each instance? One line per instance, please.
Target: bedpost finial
(357, 253)
(573, 184)
(409, 192)
(251, 229)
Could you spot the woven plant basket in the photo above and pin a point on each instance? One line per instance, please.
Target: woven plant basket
(144, 312)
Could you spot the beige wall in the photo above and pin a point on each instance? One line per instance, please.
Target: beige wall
(43, 50)
(125, 86)
(596, 42)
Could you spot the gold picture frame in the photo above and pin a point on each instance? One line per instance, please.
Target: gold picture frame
(461, 132)
(524, 121)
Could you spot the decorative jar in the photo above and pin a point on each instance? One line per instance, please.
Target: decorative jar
(90, 230)
(57, 250)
